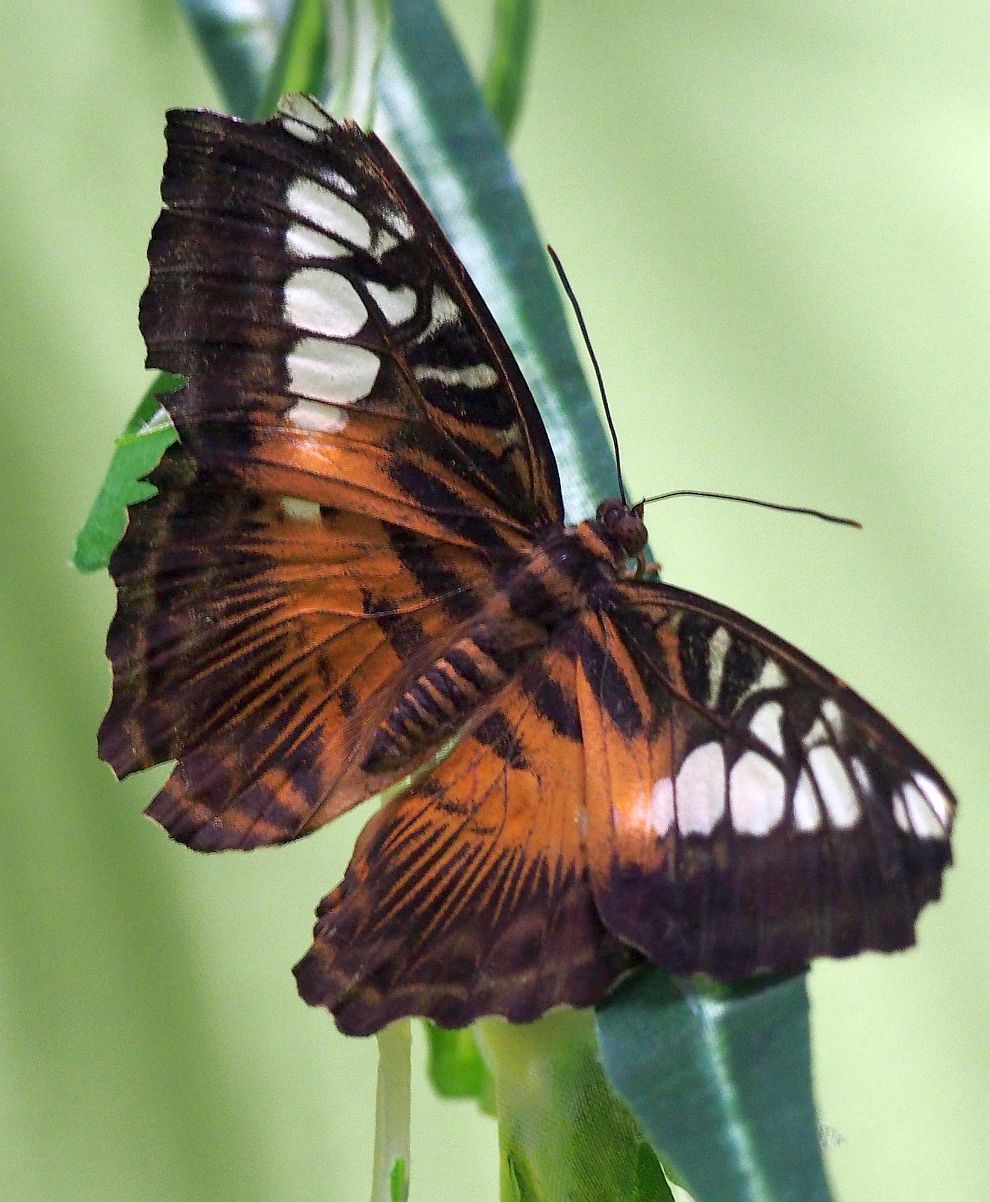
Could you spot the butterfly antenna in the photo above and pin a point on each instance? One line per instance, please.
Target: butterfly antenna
(724, 496)
(598, 371)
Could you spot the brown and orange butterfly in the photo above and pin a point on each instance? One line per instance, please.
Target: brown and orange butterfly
(357, 551)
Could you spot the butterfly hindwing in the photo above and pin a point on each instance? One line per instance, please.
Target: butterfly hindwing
(470, 895)
(754, 812)
(258, 641)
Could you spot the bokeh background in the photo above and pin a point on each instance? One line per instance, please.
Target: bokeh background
(777, 217)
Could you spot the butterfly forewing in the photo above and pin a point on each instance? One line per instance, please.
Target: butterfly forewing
(335, 347)
(761, 813)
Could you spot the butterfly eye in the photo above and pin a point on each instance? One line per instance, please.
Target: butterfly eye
(610, 512)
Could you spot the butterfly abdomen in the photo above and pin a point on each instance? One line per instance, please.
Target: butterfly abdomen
(549, 587)
(474, 668)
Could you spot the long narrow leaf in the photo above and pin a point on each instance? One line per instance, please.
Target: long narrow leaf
(390, 1179)
(720, 1079)
(358, 32)
(300, 64)
(240, 40)
(434, 116)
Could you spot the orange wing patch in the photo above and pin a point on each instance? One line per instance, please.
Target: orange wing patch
(258, 642)
(470, 895)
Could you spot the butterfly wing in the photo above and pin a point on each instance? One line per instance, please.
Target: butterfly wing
(360, 458)
(258, 641)
(747, 811)
(469, 895)
(336, 350)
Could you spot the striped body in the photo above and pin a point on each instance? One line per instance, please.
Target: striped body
(554, 583)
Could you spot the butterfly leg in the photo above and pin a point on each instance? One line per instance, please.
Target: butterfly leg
(645, 568)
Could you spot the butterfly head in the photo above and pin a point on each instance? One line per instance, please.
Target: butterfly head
(624, 524)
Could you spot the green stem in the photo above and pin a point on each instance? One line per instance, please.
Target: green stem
(390, 1175)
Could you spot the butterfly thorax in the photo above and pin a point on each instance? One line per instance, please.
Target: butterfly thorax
(569, 569)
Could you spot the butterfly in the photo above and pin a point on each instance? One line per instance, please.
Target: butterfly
(355, 576)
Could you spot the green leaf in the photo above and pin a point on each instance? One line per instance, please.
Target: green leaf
(358, 32)
(720, 1081)
(241, 44)
(391, 1161)
(508, 63)
(300, 64)
(432, 114)
(563, 1133)
(399, 1182)
(138, 450)
(456, 1068)
(279, 50)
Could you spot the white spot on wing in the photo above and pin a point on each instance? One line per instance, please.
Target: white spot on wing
(331, 371)
(817, 734)
(718, 644)
(940, 804)
(306, 243)
(299, 129)
(862, 776)
(900, 814)
(757, 794)
(832, 715)
(312, 415)
(766, 726)
(396, 304)
(700, 790)
(771, 677)
(304, 511)
(807, 815)
(303, 109)
(924, 821)
(478, 375)
(328, 211)
(443, 312)
(399, 222)
(662, 806)
(835, 786)
(321, 300)
(339, 184)
(385, 240)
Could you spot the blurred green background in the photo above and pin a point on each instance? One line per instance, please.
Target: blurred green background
(777, 218)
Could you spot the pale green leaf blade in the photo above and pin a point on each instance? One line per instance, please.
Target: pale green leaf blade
(432, 113)
(301, 61)
(358, 33)
(240, 39)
